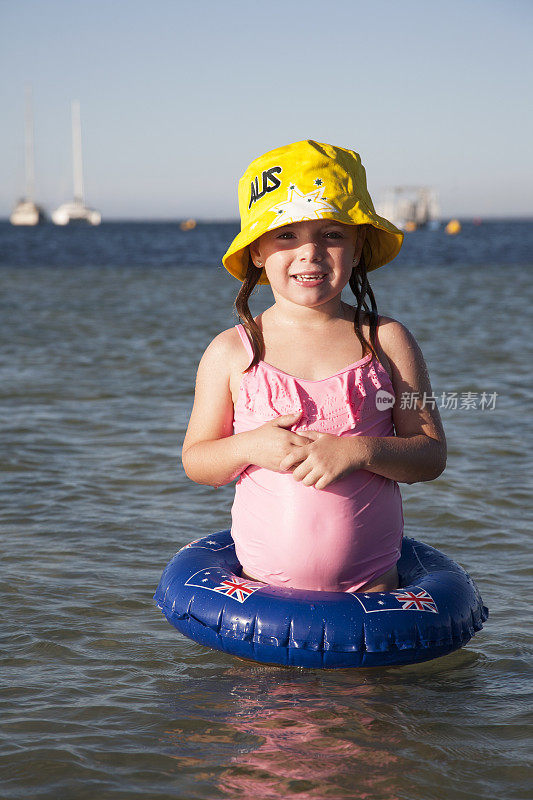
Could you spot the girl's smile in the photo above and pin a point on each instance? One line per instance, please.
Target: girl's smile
(309, 278)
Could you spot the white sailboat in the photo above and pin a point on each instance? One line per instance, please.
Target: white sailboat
(26, 212)
(76, 211)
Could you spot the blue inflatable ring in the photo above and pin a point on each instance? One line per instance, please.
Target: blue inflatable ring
(437, 610)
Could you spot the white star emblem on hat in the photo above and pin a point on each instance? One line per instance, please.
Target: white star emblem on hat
(299, 206)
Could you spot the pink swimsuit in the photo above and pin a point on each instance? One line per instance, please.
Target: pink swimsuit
(292, 535)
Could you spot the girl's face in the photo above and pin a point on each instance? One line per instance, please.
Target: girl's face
(309, 263)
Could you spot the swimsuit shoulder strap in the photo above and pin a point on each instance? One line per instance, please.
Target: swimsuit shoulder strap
(245, 340)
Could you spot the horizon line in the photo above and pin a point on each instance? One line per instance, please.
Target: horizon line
(235, 221)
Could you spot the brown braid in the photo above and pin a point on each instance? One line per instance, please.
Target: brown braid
(241, 306)
(359, 285)
(361, 288)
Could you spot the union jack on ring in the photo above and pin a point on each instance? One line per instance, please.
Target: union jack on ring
(416, 601)
(224, 582)
(237, 588)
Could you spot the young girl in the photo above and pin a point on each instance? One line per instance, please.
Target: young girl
(302, 403)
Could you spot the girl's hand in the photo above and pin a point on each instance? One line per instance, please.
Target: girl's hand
(326, 459)
(271, 443)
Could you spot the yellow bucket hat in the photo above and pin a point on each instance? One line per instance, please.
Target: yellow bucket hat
(302, 181)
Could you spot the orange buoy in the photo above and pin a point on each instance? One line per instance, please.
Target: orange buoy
(453, 227)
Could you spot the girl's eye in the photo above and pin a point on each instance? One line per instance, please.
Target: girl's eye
(334, 234)
(285, 235)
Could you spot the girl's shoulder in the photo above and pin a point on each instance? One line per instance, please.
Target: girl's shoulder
(225, 353)
(400, 352)
(224, 361)
(393, 342)
(394, 336)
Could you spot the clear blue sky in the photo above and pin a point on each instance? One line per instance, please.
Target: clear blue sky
(178, 97)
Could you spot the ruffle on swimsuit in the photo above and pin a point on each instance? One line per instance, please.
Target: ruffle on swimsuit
(267, 392)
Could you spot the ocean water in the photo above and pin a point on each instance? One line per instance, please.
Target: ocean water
(101, 332)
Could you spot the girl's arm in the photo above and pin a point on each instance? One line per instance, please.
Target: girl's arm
(211, 454)
(416, 453)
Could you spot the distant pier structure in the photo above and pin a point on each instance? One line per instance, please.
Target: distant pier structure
(410, 207)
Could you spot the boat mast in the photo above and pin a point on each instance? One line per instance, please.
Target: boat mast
(76, 152)
(30, 168)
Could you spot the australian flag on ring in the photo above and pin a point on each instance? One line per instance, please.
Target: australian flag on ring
(224, 582)
(412, 599)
